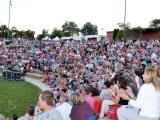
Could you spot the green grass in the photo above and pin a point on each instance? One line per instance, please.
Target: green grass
(16, 96)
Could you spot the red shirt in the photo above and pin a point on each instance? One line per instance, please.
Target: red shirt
(97, 106)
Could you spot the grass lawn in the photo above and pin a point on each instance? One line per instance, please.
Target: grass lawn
(16, 96)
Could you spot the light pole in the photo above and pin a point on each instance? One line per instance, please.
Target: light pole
(10, 4)
(125, 9)
(102, 30)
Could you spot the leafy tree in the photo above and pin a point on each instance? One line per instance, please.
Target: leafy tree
(3, 31)
(115, 32)
(127, 32)
(155, 23)
(39, 36)
(21, 34)
(43, 34)
(120, 35)
(122, 26)
(89, 29)
(69, 28)
(56, 33)
(29, 34)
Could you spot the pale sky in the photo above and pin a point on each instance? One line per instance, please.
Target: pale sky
(39, 14)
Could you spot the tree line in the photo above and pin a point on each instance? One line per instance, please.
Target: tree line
(69, 28)
(126, 31)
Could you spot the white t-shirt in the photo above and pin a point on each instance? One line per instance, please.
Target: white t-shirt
(65, 110)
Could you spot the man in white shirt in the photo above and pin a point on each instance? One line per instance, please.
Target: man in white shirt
(64, 108)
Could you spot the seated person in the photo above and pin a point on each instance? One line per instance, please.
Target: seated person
(81, 110)
(147, 104)
(124, 92)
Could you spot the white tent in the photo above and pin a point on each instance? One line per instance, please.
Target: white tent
(77, 38)
(66, 38)
(46, 38)
(56, 38)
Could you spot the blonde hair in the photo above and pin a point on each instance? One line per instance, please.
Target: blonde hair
(77, 98)
(154, 77)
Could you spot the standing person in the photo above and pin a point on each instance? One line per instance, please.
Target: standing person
(147, 104)
(46, 103)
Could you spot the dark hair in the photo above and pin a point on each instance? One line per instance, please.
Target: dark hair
(48, 97)
(88, 89)
(31, 110)
(108, 84)
(64, 90)
(95, 92)
(139, 72)
(14, 117)
(122, 83)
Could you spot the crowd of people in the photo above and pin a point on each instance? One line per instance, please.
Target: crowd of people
(88, 76)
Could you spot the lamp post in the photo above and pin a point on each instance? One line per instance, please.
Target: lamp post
(10, 4)
(102, 30)
(125, 9)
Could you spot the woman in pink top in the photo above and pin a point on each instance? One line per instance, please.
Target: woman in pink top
(87, 92)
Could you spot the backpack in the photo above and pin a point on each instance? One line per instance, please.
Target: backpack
(112, 111)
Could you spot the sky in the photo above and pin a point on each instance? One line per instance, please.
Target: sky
(48, 14)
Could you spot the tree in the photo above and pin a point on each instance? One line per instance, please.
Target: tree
(89, 29)
(3, 31)
(43, 34)
(29, 34)
(21, 34)
(69, 28)
(56, 33)
(122, 26)
(39, 36)
(126, 28)
(115, 32)
(120, 35)
(155, 23)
